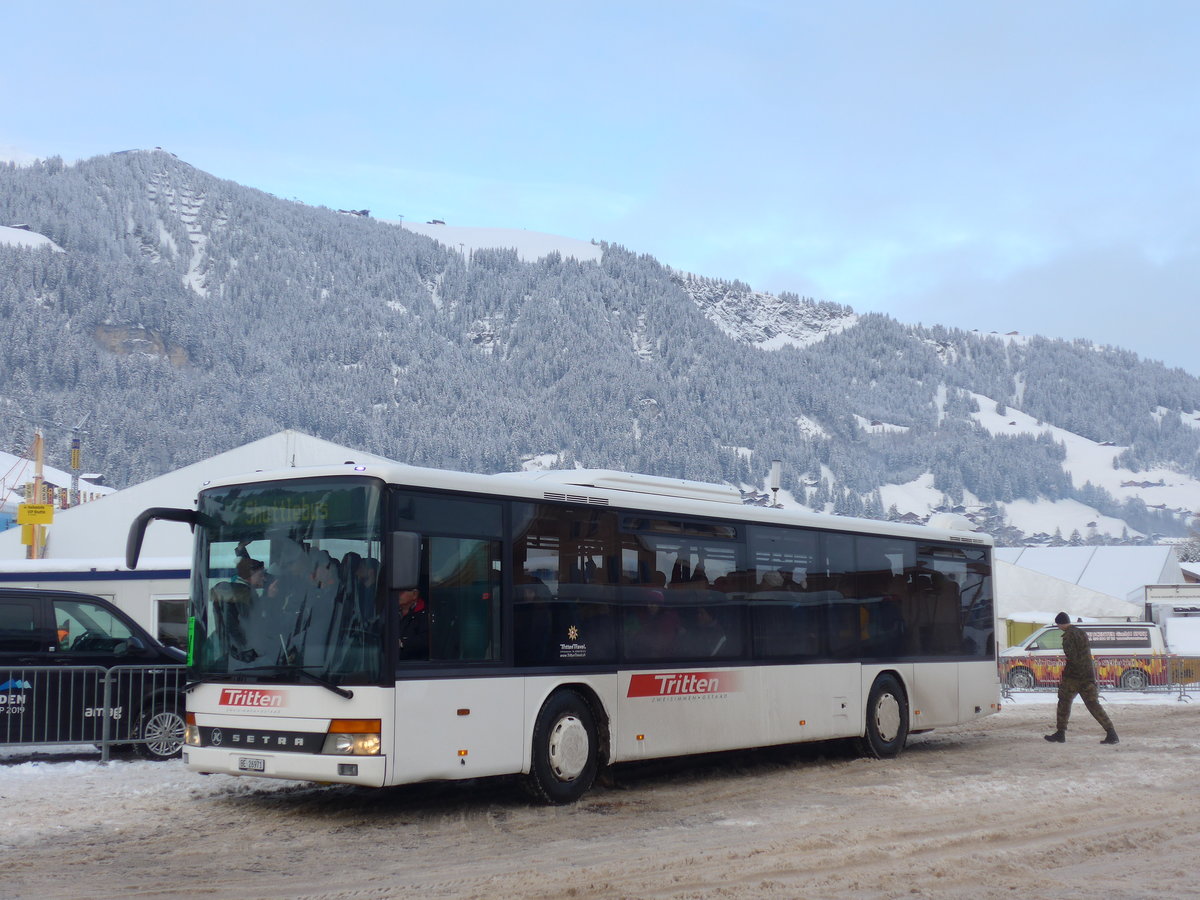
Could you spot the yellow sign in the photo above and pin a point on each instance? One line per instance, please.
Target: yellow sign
(27, 535)
(35, 513)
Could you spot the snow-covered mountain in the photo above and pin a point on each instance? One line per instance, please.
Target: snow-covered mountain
(189, 314)
(764, 320)
(530, 246)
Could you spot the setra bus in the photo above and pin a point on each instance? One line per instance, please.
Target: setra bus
(572, 620)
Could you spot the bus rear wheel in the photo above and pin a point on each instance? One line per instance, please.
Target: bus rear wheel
(887, 719)
(565, 748)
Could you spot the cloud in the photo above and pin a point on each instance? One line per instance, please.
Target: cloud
(1114, 294)
(11, 153)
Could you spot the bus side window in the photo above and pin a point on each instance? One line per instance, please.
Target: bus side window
(464, 598)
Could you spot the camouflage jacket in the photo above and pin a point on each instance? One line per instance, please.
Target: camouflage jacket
(1079, 655)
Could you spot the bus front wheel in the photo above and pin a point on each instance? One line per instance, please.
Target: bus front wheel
(887, 719)
(564, 750)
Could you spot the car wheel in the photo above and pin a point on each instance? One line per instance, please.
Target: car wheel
(1135, 680)
(887, 719)
(565, 750)
(162, 732)
(1021, 680)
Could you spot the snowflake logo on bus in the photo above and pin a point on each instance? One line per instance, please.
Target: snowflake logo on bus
(572, 633)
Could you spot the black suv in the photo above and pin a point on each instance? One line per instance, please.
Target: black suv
(60, 651)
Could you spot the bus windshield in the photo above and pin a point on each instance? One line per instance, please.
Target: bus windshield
(285, 581)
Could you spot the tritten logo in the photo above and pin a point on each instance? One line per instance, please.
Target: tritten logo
(682, 684)
(253, 697)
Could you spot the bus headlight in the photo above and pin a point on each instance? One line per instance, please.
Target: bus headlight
(353, 737)
(191, 733)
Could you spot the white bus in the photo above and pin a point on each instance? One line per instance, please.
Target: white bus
(574, 620)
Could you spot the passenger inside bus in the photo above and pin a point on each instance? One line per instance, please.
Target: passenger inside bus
(414, 624)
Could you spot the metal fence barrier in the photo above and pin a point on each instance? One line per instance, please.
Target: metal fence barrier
(140, 706)
(1159, 673)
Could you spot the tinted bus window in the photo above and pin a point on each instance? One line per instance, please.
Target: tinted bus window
(461, 574)
(566, 579)
(837, 572)
(437, 514)
(790, 598)
(683, 592)
(463, 598)
(882, 568)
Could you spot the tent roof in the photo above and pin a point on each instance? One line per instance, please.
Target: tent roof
(1113, 571)
(1029, 596)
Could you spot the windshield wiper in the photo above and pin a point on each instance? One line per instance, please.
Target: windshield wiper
(325, 683)
(274, 670)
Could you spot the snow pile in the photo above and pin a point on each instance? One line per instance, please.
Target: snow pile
(23, 237)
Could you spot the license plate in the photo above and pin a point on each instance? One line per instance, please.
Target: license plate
(251, 764)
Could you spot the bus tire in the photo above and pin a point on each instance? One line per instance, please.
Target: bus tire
(887, 719)
(565, 750)
(1135, 680)
(161, 730)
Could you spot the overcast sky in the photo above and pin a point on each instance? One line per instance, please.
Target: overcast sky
(994, 164)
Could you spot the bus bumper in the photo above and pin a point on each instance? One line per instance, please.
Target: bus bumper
(365, 770)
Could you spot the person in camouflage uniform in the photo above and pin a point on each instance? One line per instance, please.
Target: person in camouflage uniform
(1078, 677)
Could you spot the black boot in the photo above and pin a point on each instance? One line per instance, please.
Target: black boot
(1111, 737)
(1059, 737)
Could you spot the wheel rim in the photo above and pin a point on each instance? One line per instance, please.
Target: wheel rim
(1135, 680)
(887, 717)
(569, 748)
(164, 734)
(1020, 679)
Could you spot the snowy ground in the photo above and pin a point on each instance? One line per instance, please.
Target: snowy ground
(981, 811)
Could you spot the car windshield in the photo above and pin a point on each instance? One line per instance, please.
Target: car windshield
(285, 578)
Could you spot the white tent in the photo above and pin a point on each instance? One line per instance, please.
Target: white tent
(1034, 583)
(1024, 595)
(98, 530)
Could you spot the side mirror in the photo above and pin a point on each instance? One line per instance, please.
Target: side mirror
(405, 563)
(137, 530)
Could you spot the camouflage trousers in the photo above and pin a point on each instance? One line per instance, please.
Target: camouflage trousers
(1067, 689)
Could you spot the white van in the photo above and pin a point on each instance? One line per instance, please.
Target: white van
(1131, 655)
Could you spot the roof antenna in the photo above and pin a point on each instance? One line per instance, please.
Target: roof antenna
(776, 469)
